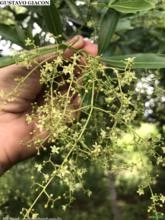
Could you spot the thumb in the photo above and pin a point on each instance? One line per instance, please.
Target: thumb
(77, 42)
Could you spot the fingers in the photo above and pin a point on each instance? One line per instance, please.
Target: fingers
(90, 48)
(77, 42)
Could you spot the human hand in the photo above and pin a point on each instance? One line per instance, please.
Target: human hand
(14, 130)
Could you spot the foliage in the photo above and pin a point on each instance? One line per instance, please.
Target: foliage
(114, 88)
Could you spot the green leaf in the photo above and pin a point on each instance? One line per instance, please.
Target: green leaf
(124, 24)
(107, 29)
(74, 9)
(34, 53)
(132, 6)
(13, 33)
(141, 61)
(5, 61)
(6, 17)
(52, 19)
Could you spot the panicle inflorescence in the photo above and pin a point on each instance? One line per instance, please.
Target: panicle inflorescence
(85, 110)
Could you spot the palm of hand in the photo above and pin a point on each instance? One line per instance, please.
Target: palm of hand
(14, 131)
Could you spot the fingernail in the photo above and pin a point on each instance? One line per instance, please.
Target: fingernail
(73, 40)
